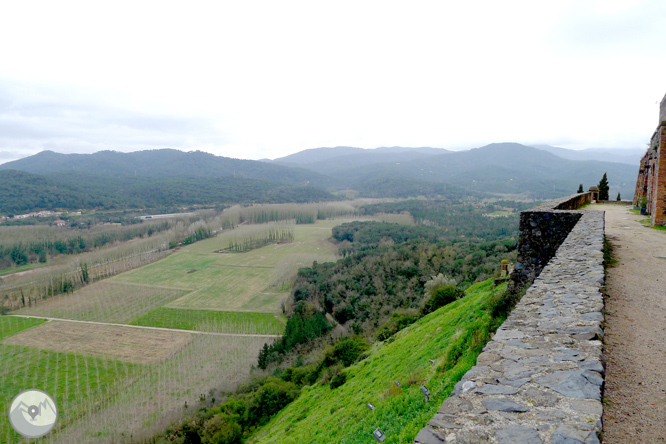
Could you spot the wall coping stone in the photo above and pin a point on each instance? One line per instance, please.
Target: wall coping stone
(540, 379)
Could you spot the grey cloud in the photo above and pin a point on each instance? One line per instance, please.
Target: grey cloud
(35, 118)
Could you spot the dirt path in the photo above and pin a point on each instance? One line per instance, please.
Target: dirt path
(197, 332)
(635, 332)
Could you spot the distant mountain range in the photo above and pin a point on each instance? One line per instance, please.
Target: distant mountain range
(167, 177)
(495, 168)
(631, 156)
(317, 158)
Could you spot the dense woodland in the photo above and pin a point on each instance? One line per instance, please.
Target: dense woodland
(25, 192)
(381, 277)
(464, 220)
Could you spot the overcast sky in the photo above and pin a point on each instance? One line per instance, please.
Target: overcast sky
(255, 80)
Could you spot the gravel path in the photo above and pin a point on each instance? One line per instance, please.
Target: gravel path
(635, 332)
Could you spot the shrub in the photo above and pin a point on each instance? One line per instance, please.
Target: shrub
(346, 352)
(397, 322)
(437, 282)
(384, 334)
(300, 375)
(441, 297)
(233, 407)
(220, 429)
(338, 380)
(270, 399)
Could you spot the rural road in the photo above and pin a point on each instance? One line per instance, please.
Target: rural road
(635, 328)
(147, 328)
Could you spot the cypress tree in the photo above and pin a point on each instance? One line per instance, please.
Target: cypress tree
(603, 188)
(580, 188)
(618, 197)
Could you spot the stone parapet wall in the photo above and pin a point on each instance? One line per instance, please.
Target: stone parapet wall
(540, 379)
(542, 230)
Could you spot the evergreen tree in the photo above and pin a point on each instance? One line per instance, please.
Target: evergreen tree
(263, 357)
(603, 188)
(580, 188)
(618, 197)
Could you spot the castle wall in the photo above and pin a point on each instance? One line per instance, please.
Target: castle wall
(540, 379)
(651, 181)
(658, 189)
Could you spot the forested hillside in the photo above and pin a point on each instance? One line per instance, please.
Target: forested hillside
(25, 192)
(503, 168)
(495, 168)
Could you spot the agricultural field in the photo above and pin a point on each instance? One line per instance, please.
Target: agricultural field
(116, 342)
(100, 398)
(250, 281)
(105, 301)
(111, 376)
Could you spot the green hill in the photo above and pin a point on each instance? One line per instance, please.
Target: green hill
(452, 336)
(163, 163)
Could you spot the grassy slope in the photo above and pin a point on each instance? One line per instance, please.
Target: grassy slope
(321, 414)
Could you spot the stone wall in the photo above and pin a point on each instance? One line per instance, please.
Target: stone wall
(540, 379)
(651, 181)
(542, 230)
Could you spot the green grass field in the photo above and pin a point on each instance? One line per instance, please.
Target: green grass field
(21, 268)
(321, 414)
(10, 325)
(214, 321)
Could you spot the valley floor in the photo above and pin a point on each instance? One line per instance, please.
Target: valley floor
(635, 349)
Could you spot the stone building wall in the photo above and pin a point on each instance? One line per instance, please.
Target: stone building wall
(540, 379)
(651, 181)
